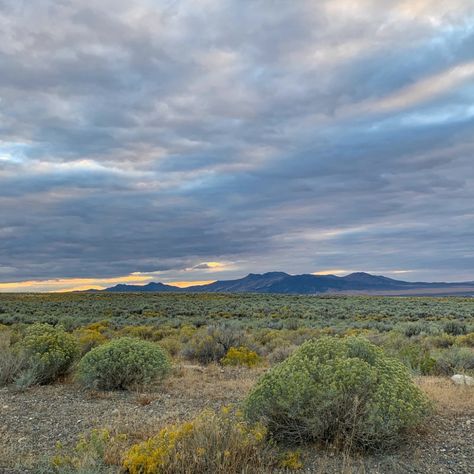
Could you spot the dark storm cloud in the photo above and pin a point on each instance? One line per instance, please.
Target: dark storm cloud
(301, 136)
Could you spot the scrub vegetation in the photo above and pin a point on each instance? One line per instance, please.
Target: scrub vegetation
(322, 374)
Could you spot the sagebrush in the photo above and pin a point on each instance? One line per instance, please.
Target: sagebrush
(344, 391)
(123, 363)
(49, 351)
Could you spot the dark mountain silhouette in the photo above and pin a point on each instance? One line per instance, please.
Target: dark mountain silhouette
(283, 283)
(150, 287)
(253, 282)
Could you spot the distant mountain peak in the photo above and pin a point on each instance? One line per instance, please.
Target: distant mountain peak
(149, 287)
(362, 275)
(268, 274)
(283, 283)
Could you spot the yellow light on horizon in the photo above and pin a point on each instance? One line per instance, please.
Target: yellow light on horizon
(214, 264)
(79, 288)
(69, 284)
(331, 272)
(186, 284)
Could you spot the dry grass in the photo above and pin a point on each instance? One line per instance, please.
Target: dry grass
(218, 443)
(98, 395)
(144, 399)
(44, 415)
(448, 397)
(213, 383)
(10, 362)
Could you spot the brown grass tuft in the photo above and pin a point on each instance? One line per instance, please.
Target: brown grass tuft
(144, 399)
(99, 395)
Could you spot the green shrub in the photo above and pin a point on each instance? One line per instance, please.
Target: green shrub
(442, 341)
(455, 359)
(11, 361)
(11, 365)
(280, 354)
(50, 351)
(87, 339)
(171, 344)
(123, 363)
(414, 329)
(212, 343)
(455, 328)
(268, 344)
(417, 358)
(148, 333)
(27, 376)
(344, 391)
(292, 324)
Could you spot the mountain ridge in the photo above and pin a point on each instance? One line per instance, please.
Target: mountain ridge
(307, 284)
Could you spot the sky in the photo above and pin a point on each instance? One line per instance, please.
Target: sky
(195, 140)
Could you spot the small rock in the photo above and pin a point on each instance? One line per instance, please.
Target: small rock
(116, 411)
(460, 379)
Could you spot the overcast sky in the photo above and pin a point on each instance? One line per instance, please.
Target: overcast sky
(203, 139)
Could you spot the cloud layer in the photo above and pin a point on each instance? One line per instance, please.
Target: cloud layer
(200, 139)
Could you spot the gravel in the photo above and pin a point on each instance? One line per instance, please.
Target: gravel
(32, 422)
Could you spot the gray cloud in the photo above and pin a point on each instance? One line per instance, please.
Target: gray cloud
(301, 136)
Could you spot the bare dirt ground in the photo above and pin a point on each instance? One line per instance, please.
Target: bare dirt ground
(32, 422)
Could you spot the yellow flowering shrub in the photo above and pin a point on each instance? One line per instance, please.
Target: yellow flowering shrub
(241, 356)
(186, 332)
(466, 340)
(87, 339)
(291, 460)
(357, 332)
(171, 344)
(212, 442)
(100, 326)
(340, 390)
(149, 333)
(154, 454)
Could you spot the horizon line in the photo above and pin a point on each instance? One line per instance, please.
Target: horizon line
(68, 285)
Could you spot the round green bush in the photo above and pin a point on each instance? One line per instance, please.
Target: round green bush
(49, 351)
(455, 328)
(123, 363)
(341, 391)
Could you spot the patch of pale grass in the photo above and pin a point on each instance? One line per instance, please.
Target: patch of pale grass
(212, 382)
(448, 397)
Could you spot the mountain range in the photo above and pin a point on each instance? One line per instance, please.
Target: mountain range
(309, 284)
